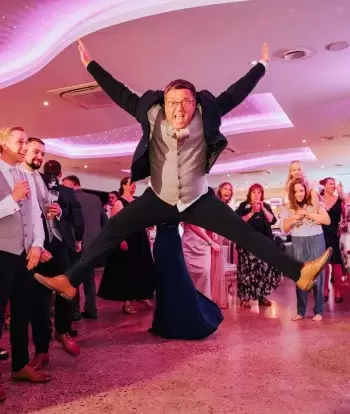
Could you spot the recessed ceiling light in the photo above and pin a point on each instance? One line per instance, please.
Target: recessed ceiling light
(322, 166)
(85, 166)
(303, 141)
(45, 103)
(267, 186)
(242, 189)
(337, 46)
(247, 182)
(269, 145)
(228, 175)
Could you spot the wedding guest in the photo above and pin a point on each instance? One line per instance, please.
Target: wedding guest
(255, 278)
(129, 270)
(334, 205)
(21, 242)
(307, 239)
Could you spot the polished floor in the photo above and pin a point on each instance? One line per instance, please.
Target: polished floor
(258, 362)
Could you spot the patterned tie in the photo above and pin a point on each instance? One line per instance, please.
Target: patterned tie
(179, 134)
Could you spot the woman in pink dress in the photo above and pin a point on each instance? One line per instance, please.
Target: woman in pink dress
(217, 272)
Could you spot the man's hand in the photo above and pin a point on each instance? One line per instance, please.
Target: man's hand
(20, 191)
(33, 257)
(54, 211)
(45, 256)
(84, 54)
(265, 56)
(78, 246)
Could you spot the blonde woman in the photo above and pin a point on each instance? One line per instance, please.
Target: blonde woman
(296, 171)
(217, 273)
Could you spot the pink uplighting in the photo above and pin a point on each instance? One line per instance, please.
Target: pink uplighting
(257, 113)
(264, 159)
(26, 50)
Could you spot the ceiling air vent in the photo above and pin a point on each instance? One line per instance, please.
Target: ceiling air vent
(256, 172)
(326, 138)
(87, 96)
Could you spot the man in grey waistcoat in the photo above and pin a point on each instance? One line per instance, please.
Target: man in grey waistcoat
(21, 245)
(181, 141)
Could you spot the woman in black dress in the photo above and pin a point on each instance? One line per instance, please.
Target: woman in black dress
(255, 278)
(334, 206)
(129, 270)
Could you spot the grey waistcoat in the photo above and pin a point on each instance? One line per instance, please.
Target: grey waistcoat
(177, 166)
(16, 231)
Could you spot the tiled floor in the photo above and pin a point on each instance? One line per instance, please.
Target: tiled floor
(258, 362)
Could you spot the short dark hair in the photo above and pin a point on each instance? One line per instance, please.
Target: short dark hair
(34, 139)
(73, 178)
(180, 84)
(52, 167)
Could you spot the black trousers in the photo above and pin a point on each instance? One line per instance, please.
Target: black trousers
(208, 212)
(15, 286)
(41, 303)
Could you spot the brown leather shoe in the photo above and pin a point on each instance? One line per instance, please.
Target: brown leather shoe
(27, 373)
(68, 343)
(2, 394)
(39, 361)
(311, 270)
(60, 284)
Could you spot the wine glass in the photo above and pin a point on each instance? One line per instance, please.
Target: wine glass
(19, 175)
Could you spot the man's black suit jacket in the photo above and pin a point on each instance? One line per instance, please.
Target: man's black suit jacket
(71, 222)
(213, 109)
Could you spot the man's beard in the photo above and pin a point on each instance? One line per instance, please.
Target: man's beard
(33, 166)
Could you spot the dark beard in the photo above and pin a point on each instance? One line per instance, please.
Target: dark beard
(33, 166)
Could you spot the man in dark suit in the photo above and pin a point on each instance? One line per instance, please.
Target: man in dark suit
(94, 219)
(181, 142)
(64, 225)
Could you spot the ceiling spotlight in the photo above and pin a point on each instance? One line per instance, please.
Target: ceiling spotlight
(45, 103)
(303, 141)
(322, 166)
(85, 166)
(228, 175)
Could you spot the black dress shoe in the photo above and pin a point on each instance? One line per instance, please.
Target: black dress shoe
(87, 315)
(4, 355)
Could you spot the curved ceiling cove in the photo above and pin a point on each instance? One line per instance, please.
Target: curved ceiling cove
(34, 32)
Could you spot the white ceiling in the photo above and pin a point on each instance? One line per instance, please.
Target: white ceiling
(211, 46)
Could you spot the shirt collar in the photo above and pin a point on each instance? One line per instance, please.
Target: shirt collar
(6, 167)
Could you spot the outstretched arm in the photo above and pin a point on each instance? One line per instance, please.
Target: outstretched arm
(117, 91)
(238, 92)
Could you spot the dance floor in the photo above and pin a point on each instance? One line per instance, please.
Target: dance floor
(258, 362)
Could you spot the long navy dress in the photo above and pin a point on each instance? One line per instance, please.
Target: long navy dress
(181, 311)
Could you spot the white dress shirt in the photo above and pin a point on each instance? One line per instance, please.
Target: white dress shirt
(9, 206)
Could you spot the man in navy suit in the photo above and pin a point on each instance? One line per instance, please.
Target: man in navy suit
(94, 219)
(62, 229)
(181, 141)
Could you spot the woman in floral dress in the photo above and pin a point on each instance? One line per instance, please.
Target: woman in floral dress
(255, 278)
